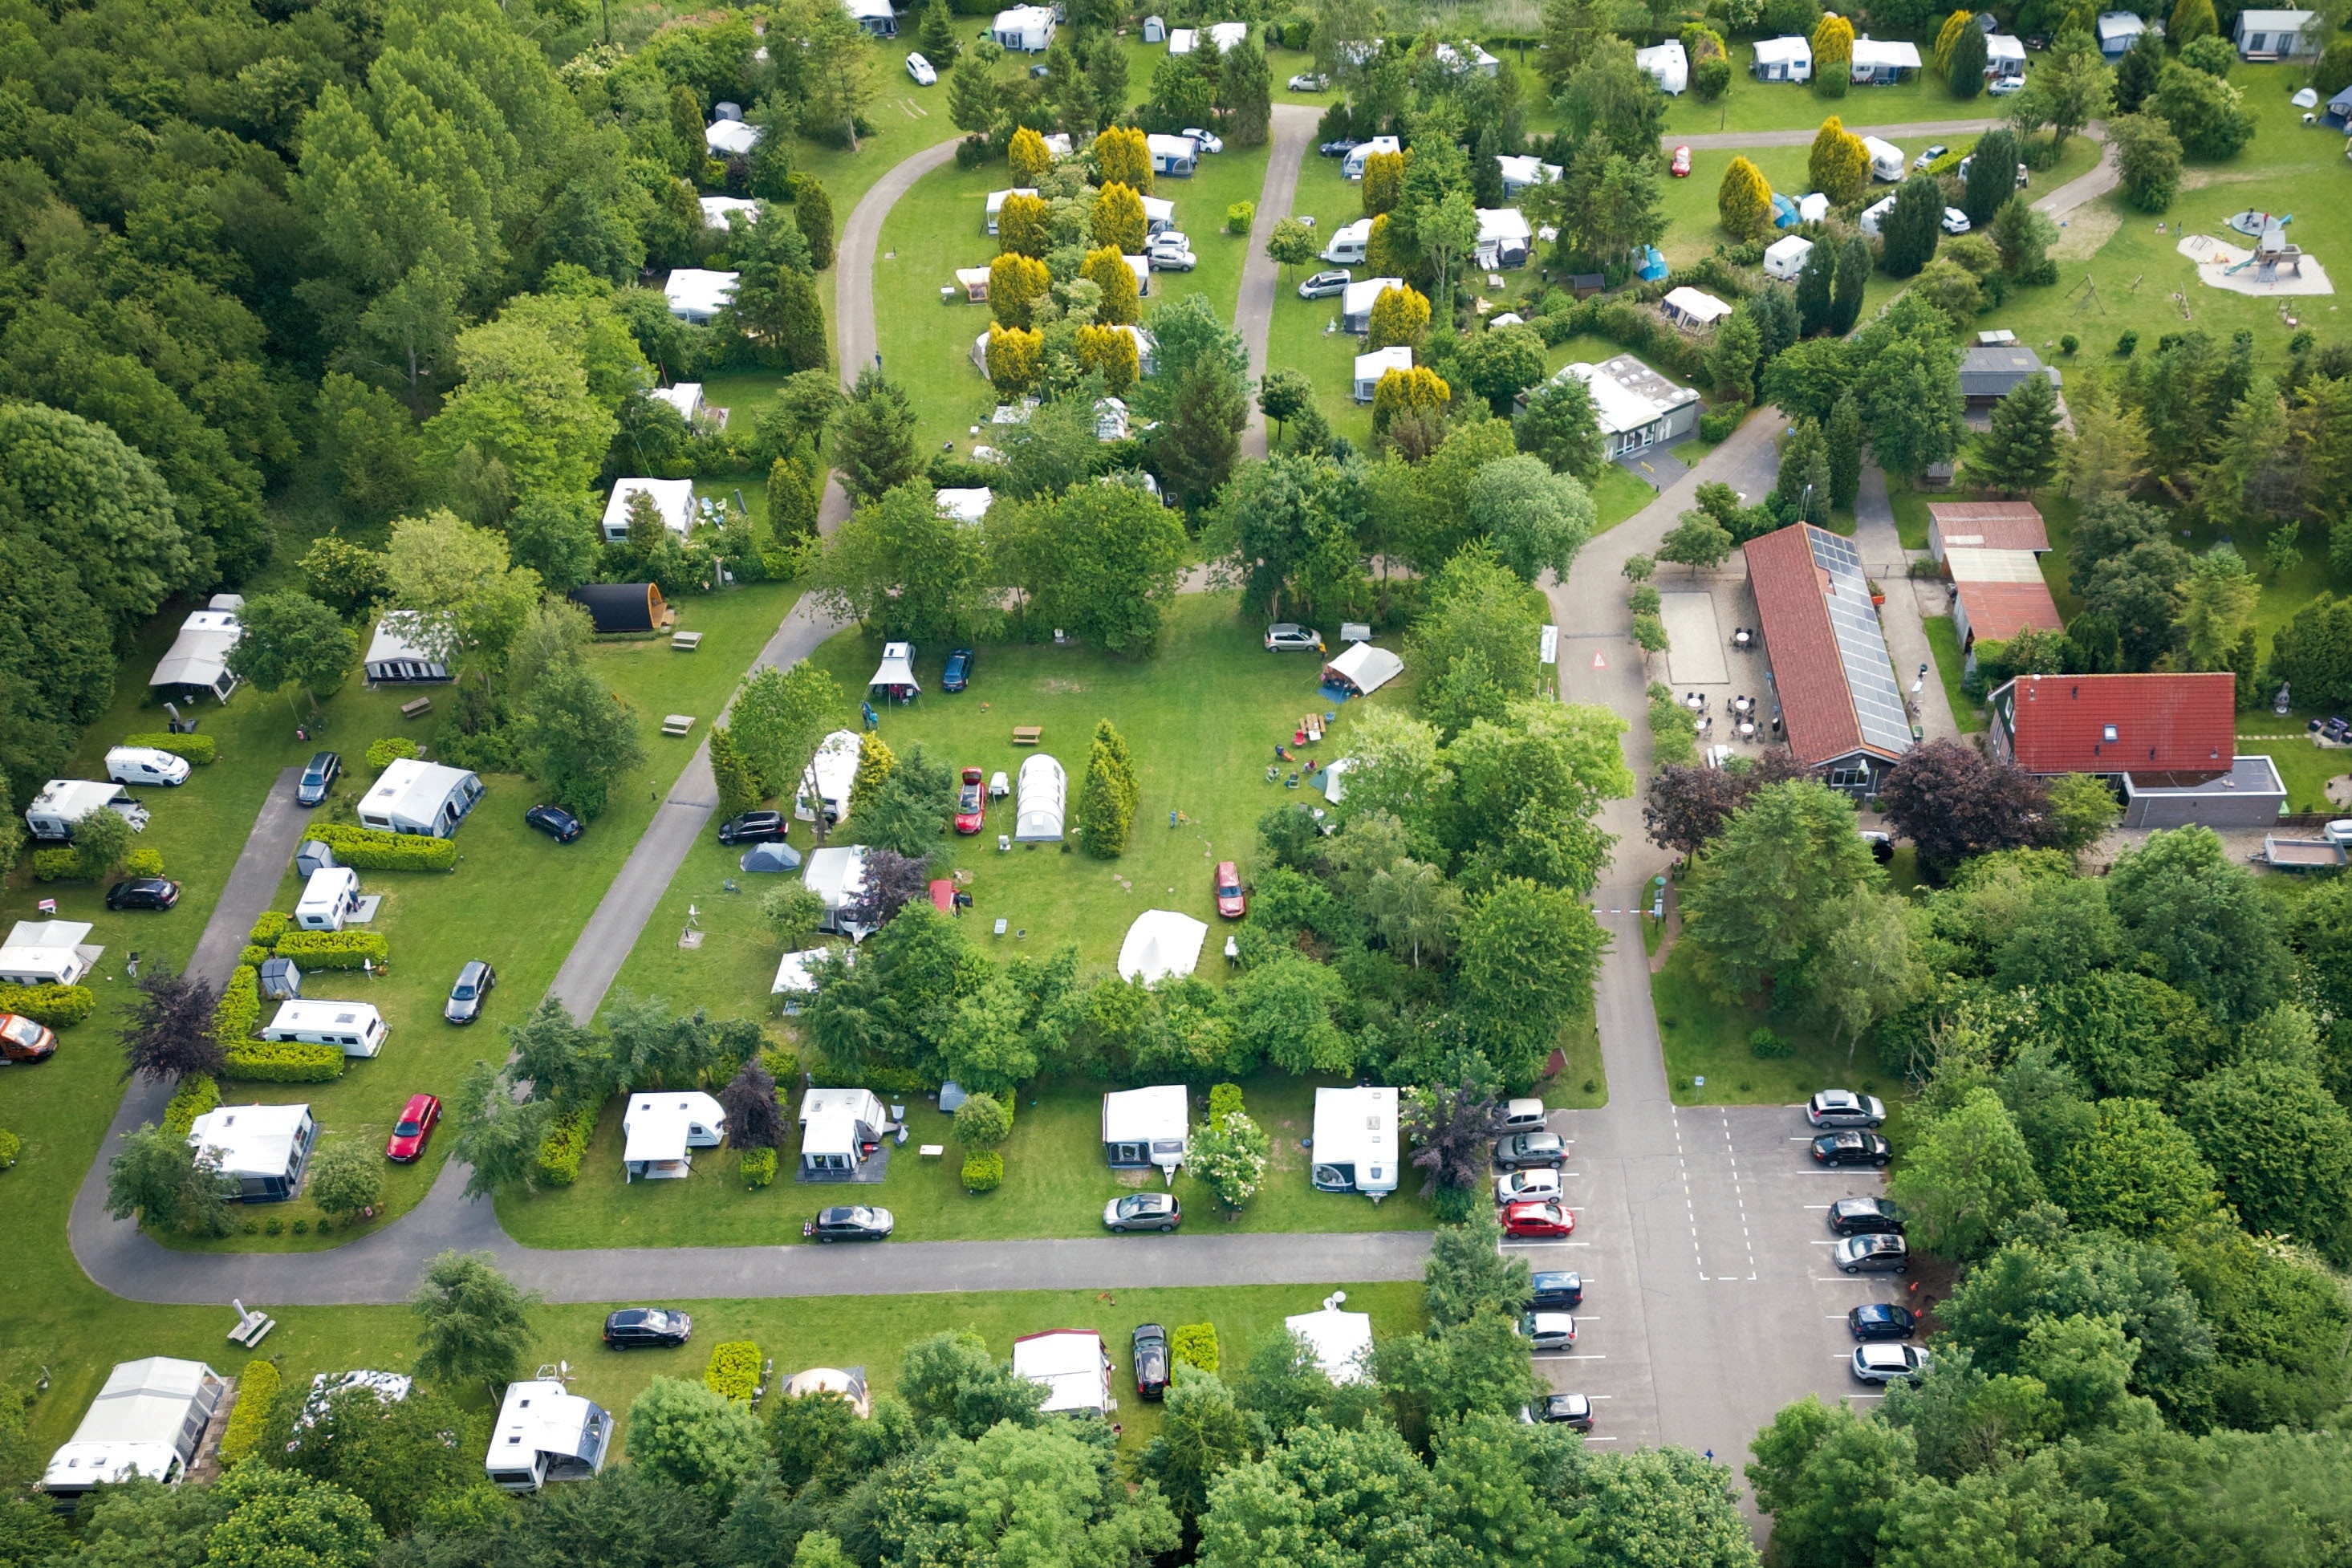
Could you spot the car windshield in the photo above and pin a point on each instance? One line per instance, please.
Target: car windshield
(857, 1216)
(23, 1031)
(407, 1128)
(1228, 889)
(464, 993)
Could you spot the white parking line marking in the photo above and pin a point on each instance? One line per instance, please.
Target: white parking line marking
(1591, 1438)
(1818, 1205)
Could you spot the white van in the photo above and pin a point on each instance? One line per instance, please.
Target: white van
(353, 1026)
(145, 765)
(1348, 243)
(331, 898)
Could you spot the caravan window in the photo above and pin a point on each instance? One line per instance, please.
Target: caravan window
(1332, 1178)
(1130, 1152)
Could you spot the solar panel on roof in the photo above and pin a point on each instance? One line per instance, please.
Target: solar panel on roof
(1878, 707)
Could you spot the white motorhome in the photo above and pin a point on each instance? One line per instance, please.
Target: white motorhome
(1353, 164)
(355, 1029)
(145, 765)
(64, 801)
(1355, 1144)
(421, 797)
(148, 1421)
(1348, 243)
(546, 1434)
(830, 777)
(330, 897)
(1885, 159)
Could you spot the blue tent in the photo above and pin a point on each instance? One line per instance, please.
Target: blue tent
(770, 857)
(2339, 108)
(1784, 212)
(1653, 265)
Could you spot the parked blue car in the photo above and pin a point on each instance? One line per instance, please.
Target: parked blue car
(959, 671)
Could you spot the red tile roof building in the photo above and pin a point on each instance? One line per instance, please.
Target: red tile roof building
(1841, 709)
(2167, 742)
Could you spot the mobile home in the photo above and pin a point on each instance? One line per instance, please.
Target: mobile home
(1024, 29)
(47, 952)
(354, 1028)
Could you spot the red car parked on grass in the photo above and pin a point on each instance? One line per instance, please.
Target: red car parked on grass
(1538, 1220)
(416, 1125)
(1232, 902)
(969, 806)
(1681, 166)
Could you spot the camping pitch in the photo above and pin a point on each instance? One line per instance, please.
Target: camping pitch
(1363, 668)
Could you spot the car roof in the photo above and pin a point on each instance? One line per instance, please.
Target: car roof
(1553, 1319)
(1568, 1401)
(472, 966)
(1862, 1206)
(1880, 1311)
(321, 759)
(1835, 1097)
(1884, 1355)
(1541, 1140)
(627, 1315)
(1557, 1280)
(1153, 1331)
(1533, 1205)
(418, 1102)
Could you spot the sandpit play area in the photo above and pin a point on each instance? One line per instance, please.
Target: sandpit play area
(2258, 259)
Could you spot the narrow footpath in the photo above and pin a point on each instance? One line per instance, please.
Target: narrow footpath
(1294, 129)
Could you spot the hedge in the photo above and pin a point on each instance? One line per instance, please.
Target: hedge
(365, 850)
(56, 865)
(382, 754)
(273, 924)
(565, 1144)
(58, 1007)
(984, 1171)
(734, 1369)
(197, 1094)
(1195, 1344)
(238, 1012)
(334, 949)
(201, 750)
(283, 1061)
(256, 1391)
(759, 1167)
(1718, 425)
(252, 955)
(10, 1147)
(143, 862)
(1225, 1099)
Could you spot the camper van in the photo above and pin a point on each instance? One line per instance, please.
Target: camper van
(355, 1027)
(1885, 159)
(64, 801)
(1355, 1145)
(1348, 243)
(546, 1434)
(329, 899)
(145, 765)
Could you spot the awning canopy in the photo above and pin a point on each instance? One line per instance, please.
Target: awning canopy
(897, 669)
(1364, 669)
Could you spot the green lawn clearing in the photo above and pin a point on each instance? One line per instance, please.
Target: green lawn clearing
(1707, 1039)
(1951, 666)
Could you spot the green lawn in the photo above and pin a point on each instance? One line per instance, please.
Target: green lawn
(1793, 106)
(1951, 664)
(1707, 1038)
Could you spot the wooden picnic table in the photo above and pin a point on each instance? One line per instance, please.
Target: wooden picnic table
(1028, 734)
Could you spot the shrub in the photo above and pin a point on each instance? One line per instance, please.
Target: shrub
(1718, 424)
(1225, 1099)
(144, 863)
(759, 1167)
(273, 1225)
(383, 753)
(1239, 216)
(334, 949)
(238, 1011)
(58, 1007)
(256, 1391)
(10, 1147)
(2068, 342)
(56, 865)
(201, 750)
(982, 1122)
(1195, 1344)
(273, 924)
(301, 1227)
(565, 1145)
(197, 1094)
(2129, 341)
(283, 1061)
(365, 850)
(252, 955)
(1762, 1042)
(984, 1171)
(734, 1369)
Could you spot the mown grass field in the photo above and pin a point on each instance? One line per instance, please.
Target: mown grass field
(1706, 1037)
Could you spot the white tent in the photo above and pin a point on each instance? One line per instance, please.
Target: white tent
(996, 200)
(664, 1127)
(1342, 1342)
(1071, 1364)
(696, 294)
(1694, 307)
(1785, 257)
(149, 1420)
(1813, 209)
(47, 952)
(1040, 797)
(1364, 669)
(730, 138)
(1478, 60)
(199, 655)
(1333, 779)
(875, 16)
(1666, 65)
(716, 208)
(896, 673)
(673, 499)
(966, 506)
(413, 795)
(1371, 367)
(685, 397)
(830, 777)
(1161, 943)
(836, 875)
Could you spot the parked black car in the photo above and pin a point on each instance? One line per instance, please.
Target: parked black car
(556, 822)
(958, 674)
(753, 827)
(143, 893)
(1340, 148)
(1527, 1151)
(1881, 1320)
(1557, 1292)
(1149, 1348)
(634, 1327)
(853, 1222)
(473, 987)
(318, 777)
(1852, 1148)
(1867, 1216)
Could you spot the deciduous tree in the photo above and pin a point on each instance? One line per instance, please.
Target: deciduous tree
(471, 1321)
(167, 1033)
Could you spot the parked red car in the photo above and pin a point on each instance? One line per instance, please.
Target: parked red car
(1232, 902)
(1539, 1220)
(968, 807)
(416, 1125)
(1681, 167)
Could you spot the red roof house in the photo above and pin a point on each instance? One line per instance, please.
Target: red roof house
(1830, 674)
(2111, 725)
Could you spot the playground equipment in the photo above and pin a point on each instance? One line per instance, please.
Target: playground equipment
(2273, 256)
(2255, 224)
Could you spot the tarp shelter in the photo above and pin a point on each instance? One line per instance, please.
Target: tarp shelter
(1692, 309)
(762, 857)
(149, 1420)
(673, 499)
(836, 875)
(730, 138)
(1160, 945)
(996, 200)
(1504, 238)
(47, 952)
(1784, 211)
(197, 659)
(1785, 257)
(1356, 305)
(838, 1126)
(1146, 1127)
(1782, 59)
(1521, 170)
(831, 774)
(1071, 1366)
(894, 675)
(796, 974)
(875, 16)
(1363, 668)
(1342, 1342)
(615, 607)
(1355, 1144)
(663, 1131)
(263, 1148)
(395, 655)
(412, 795)
(716, 211)
(1666, 65)
(967, 506)
(1371, 367)
(1040, 797)
(1882, 62)
(697, 294)
(974, 281)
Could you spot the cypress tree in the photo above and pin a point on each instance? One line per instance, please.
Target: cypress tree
(1106, 801)
(1910, 230)
(1800, 453)
(738, 791)
(812, 213)
(1843, 435)
(791, 502)
(1992, 176)
(1967, 77)
(2136, 72)
(1852, 277)
(1813, 283)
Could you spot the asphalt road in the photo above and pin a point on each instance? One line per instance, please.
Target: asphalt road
(1294, 129)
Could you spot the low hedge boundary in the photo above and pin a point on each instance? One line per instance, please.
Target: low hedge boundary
(256, 1391)
(366, 849)
(565, 1145)
(200, 751)
(57, 1006)
(197, 1093)
(283, 1061)
(238, 1012)
(334, 949)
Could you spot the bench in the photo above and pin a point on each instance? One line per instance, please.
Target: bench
(417, 708)
(1028, 734)
(252, 1328)
(686, 642)
(931, 1151)
(677, 724)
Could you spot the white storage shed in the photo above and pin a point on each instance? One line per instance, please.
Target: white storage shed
(413, 795)
(355, 1029)
(148, 1421)
(664, 1127)
(1040, 800)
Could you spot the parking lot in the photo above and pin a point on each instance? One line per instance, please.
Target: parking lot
(1710, 1298)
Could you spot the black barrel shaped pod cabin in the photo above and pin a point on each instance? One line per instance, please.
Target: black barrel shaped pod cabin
(620, 608)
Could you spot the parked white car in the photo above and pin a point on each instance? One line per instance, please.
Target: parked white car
(1206, 141)
(1954, 221)
(1930, 157)
(920, 70)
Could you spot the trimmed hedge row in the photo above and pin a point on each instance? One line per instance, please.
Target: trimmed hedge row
(734, 1371)
(256, 1391)
(201, 750)
(565, 1145)
(273, 924)
(365, 850)
(283, 1061)
(252, 955)
(197, 1094)
(1195, 1344)
(334, 949)
(238, 1012)
(58, 1007)
(58, 866)
(382, 754)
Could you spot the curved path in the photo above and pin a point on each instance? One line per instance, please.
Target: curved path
(382, 1265)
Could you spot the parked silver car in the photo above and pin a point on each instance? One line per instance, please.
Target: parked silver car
(1890, 1362)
